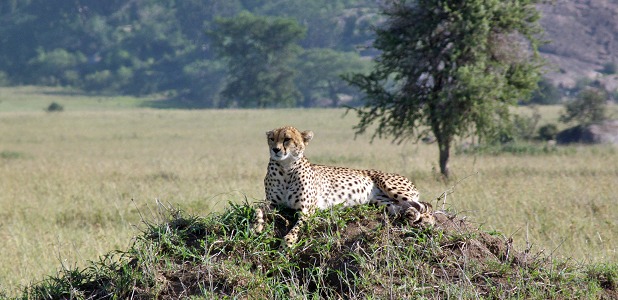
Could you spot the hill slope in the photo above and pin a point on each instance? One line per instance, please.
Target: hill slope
(355, 253)
(583, 37)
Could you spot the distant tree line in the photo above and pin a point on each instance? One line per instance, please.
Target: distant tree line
(232, 53)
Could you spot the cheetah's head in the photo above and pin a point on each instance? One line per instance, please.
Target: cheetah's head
(287, 143)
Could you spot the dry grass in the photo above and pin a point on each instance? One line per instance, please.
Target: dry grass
(73, 183)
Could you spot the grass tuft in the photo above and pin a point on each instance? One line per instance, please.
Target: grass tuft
(11, 155)
(344, 253)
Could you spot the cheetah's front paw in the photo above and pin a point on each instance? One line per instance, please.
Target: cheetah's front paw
(427, 219)
(290, 241)
(258, 226)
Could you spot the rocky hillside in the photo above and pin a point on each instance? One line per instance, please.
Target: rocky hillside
(583, 37)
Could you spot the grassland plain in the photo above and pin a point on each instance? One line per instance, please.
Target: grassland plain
(73, 184)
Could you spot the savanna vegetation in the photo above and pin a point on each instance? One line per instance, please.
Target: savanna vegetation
(76, 184)
(85, 170)
(170, 48)
(182, 48)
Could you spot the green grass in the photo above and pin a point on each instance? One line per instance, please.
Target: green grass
(353, 253)
(73, 183)
(35, 98)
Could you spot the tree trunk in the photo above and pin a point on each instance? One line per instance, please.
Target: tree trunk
(444, 145)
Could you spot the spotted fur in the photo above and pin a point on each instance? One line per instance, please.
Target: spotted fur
(292, 181)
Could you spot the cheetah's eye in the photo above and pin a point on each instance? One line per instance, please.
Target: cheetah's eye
(271, 139)
(285, 140)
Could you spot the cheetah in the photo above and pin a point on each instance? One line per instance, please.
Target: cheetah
(292, 181)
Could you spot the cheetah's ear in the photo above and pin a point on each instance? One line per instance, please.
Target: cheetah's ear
(307, 136)
(269, 133)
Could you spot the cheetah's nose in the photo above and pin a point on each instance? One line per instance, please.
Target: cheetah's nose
(276, 150)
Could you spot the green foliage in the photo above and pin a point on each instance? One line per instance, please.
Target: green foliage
(258, 51)
(588, 107)
(112, 275)
(321, 71)
(450, 66)
(11, 155)
(155, 46)
(524, 127)
(56, 67)
(203, 80)
(583, 83)
(605, 275)
(547, 94)
(98, 80)
(548, 132)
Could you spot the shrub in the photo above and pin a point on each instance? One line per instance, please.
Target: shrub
(589, 107)
(72, 77)
(546, 94)
(524, 126)
(99, 80)
(581, 84)
(548, 132)
(50, 67)
(11, 155)
(610, 68)
(54, 107)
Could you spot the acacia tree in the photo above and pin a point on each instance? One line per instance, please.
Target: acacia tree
(258, 51)
(451, 67)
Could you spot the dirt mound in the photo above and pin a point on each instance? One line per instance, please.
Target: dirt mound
(350, 253)
(354, 253)
(484, 247)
